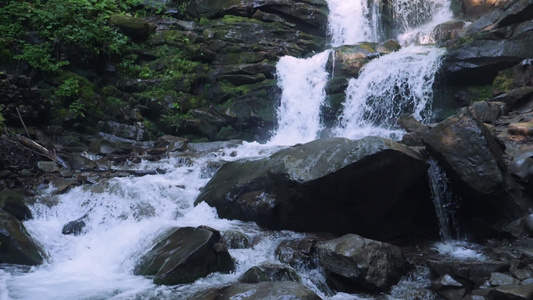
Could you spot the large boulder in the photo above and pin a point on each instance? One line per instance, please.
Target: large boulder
(480, 60)
(475, 8)
(374, 187)
(287, 290)
(473, 160)
(185, 255)
(354, 262)
(16, 245)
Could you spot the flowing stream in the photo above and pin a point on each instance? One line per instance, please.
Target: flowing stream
(124, 216)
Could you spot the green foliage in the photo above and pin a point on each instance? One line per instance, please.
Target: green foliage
(504, 80)
(36, 29)
(203, 21)
(68, 89)
(483, 92)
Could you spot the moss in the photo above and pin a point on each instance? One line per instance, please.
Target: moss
(482, 93)
(238, 19)
(504, 81)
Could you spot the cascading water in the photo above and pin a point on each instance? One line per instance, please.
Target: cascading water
(353, 21)
(303, 82)
(390, 86)
(416, 19)
(442, 198)
(125, 215)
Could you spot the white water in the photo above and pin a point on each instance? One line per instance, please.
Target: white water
(302, 82)
(126, 217)
(388, 87)
(353, 21)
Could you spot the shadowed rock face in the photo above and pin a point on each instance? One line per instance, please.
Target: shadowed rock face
(373, 187)
(16, 246)
(185, 255)
(368, 264)
(287, 290)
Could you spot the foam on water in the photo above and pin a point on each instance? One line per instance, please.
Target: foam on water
(388, 87)
(459, 250)
(302, 82)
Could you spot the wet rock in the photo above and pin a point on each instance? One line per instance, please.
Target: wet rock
(354, 261)
(235, 240)
(74, 227)
(448, 288)
(299, 254)
(172, 143)
(498, 278)
(329, 185)
(16, 245)
(474, 162)
(473, 271)
(448, 30)
(269, 273)
(13, 202)
(48, 166)
(480, 60)
(287, 290)
(512, 292)
(185, 255)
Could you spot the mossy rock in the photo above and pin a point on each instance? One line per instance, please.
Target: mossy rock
(135, 28)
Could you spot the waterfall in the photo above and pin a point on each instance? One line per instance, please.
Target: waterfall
(353, 21)
(442, 199)
(416, 19)
(302, 82)
(388, 87)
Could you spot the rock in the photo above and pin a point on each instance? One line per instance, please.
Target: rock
(132, 132)
(309, 16)
(486, 112)
(524, 73)
(473, 161)
(521, 129)
(474, 8)
(135, 28)
(16, 245)
(480, 60)
(348, 60)
(235, 240)
(448, 288)
(269, 273)
(473, 271)
(512, 292)
(516, 97)
(286, 290)
(358, 262)
(298, 254)
(328, 185)
(48, 166)
(172, 143)
(522, 163)
(448, 30)
(74, 227)
(13, 203)
(185, 255)
(498, 278)
(410, 124)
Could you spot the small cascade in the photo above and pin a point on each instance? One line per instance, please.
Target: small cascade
(353, 21)
(302, 82)
(416, 19)
(442, 199)
(388, 87)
